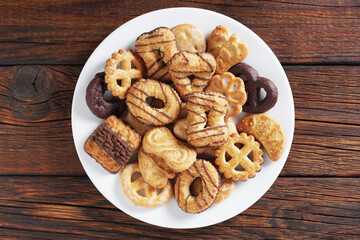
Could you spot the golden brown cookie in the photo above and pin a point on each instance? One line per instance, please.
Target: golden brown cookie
(210, 184)
(227, 48)
(139, 127)
(112, 144)
(189, 38)
(233, 89)
(140, 192)
(267, 131)
(177, 155)
(143, 89)
(156, 48)
(119, 79)
(191, 72)
(233, 157)
(226, 189)
(206, 113)
(152, 171)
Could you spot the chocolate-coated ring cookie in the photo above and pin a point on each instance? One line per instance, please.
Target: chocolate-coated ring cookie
(253, 84)
(95, 99)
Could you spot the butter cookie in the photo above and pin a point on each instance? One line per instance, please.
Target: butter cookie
(189, 38)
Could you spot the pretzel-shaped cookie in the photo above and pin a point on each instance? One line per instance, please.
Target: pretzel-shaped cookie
(131, 68)
(233, 88)
(239, 157)
(191, 72)
(156, 48)
(140, 192)
(207, 127)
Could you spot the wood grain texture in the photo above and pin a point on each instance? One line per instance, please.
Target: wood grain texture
(36, 106)
(71, 207)
(66, 32)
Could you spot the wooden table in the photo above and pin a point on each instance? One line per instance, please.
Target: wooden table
(44, 191)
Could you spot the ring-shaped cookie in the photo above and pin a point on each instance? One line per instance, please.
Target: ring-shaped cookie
(146, 88)
(210, 179)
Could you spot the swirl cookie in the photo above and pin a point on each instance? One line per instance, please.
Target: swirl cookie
(152, 171)
(191, 72)
(112, 144)
(143, 89)
(234, 162)
(119, 79)
(267, 131)
(206, 113)
(227, 48)
(156, 48)
(233, 89)
(253, 84)
(177, 155)
(96, 102)
(210, 184)
(189, 38)
(140, 192)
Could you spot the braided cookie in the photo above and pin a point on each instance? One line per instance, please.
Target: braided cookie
(140, 192)
(131, 68)
(151, 170)
(227, 48)
(210, 179)
(189, 38)
(233, 89)
(177, 155)
(156, 48)
(267, 131)
(207, 127)
(191, 72)
(230, 157)
(112, 144)
(145, 89)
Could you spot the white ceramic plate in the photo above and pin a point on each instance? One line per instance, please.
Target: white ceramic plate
(170, 215)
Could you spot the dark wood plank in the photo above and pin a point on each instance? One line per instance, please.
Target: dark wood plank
(35, 32)
(70, 207)
(36, 138)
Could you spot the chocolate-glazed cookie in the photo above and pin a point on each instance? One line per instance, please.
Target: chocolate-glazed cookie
(96, 102)
(253, 84)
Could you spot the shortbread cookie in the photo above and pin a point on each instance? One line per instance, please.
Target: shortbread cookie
(144, 112)
(267, 131)
(210, 179)
(191, 72)
(253, 84)
(96, 102)
(227, 49)
(177, 155)
(119, 79)
(226, 189)
(139, 127)
(156, 48)
(112, 144)
(206, 113)
(230, 157)
(233, 89)
(189, 38)
(140, 192)
(152, 171)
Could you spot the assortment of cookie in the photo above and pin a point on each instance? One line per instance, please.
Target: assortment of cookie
(168, 125)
